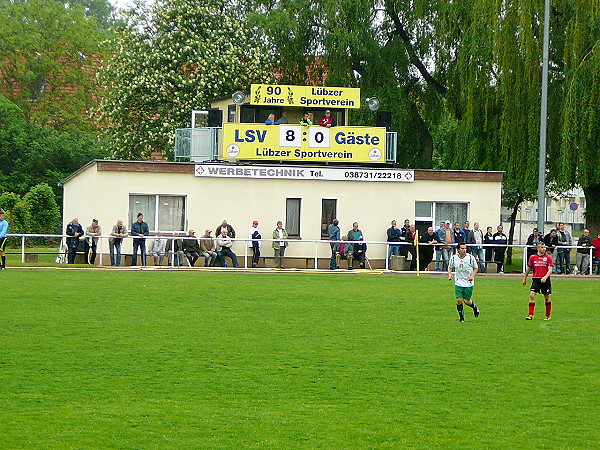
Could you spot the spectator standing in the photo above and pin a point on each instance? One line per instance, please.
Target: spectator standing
(583, 254)
(501, 240)
(140, 230)
(563, 255)
(458, 234)
(207, 248)
(283, 119)
(596, 245)
(488, 238)
(307, 119)
(254, 244)
(403, 231)
(327, 120)
(426, 247)
(280, 244)
(224, 244)
(410, 247)
(230, 230)
(333, 231)
(393, 237)
(119, 231)
(191, 248)
(551, 241)
(532, 242)
(74, 232)
(271, 120)
(92, 233)
(157, 248)
(475, 239)
(3, 232)
(447, 239)
(466, 231)
(441, 238)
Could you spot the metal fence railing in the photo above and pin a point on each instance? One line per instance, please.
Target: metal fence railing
(314, 253)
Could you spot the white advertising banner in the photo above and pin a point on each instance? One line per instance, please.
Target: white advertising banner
(303, 173)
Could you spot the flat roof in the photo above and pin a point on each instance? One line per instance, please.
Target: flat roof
(104, 165)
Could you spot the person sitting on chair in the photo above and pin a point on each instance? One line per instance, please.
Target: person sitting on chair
(191, 248)
(344, 251)
(360, 252)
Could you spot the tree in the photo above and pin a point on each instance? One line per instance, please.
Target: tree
(8, 201)
(170, 59)
(45, 214)
(48, 60)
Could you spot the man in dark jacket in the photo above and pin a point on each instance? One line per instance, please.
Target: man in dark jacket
(74, 232)
(500, 238)
(139, 230)
(191, 248)
(426, 247)
(393, 237)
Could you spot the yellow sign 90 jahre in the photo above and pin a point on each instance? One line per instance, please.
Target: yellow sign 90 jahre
(300, 143)
(304, 96)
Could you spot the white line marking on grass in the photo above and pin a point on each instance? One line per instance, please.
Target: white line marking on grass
(546, 326)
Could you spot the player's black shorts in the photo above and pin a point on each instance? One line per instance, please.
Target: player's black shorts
(2, 244)
(541, 288)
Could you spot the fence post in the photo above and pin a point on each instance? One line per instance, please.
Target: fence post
(23, 249)
(592, 260)
(316, 254)
(525, 259)
(245, 255)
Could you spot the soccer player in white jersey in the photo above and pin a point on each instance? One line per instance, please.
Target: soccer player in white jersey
(465, 267)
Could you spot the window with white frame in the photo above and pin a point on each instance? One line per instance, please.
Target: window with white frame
(292, 216)
(161, 212)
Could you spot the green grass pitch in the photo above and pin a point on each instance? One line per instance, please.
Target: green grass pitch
(150, 359)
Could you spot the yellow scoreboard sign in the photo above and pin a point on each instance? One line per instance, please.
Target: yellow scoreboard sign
(300, 143)
(304, 96)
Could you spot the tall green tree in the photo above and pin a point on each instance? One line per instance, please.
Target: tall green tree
(49, 55)
(171, 58)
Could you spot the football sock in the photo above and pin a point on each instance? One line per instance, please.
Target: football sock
(548, 308)
(4, 261)
(472, 305)
(531, 308)
(460, 310)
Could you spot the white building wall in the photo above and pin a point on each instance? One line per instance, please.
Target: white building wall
(105, 195)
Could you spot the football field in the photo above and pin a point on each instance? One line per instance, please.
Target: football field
(168, 359)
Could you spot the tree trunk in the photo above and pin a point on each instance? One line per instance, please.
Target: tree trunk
(592, 209)
(511, 232)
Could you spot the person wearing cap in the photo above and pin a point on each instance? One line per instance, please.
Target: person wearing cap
(230, 230)
(191, 248)
(91, 241)
(157, 248)
(139, 229)
(3, 232)
(74, 232)
(532, 241)
(254, 243)
(327, 120)
(207, 248)
(119, 231)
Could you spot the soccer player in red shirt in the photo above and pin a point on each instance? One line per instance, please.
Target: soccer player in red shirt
(542, 265)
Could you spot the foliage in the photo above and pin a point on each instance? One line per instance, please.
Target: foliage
(290, 361)
(45, 214)
(170, 59)
(49, 56)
